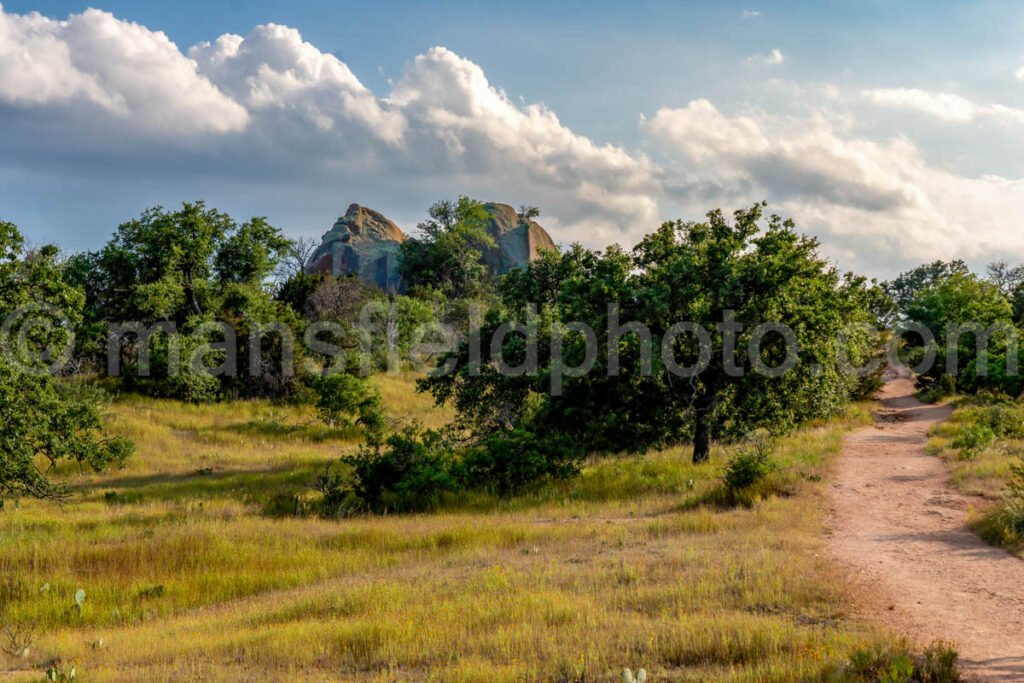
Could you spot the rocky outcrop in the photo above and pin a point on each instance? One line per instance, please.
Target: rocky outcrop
(519, 240)
(363, 242)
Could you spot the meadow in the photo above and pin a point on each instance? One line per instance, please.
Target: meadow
(193, 569)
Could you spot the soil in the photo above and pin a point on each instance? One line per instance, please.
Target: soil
(899, 529)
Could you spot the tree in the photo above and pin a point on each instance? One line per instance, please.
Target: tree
(251, 253)
(40, 418)
(298, 257)
(448, 255)
(634, 396)
(965, 301)
(905, 288)
(1010, 281)
(171, 265)
(744, 275)
(189, 268)
(528, 213)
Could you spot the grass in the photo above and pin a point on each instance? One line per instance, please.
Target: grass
(981, 466)
(634, 563)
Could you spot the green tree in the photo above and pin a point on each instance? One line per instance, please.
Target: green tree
(743, 275)
(39, 418)
(907, 286)
(448, 255)
(251, 253)
(966, 315)
(635, 396)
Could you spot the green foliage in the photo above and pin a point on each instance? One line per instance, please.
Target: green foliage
(905, 288)
(998, 375)
(936, 664)
(296, 290)
(751, 463)
(346, 400)
(510, 460)
(250, 253)
(409, 471)
(1012, 513)
(42, 419)
(684, 272)
(189, 268)
(448, 255)
(972, 439)
(978, 308)
(1004, 419)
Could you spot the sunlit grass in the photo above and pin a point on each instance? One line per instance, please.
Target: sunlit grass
(633, 563)
(983, 473)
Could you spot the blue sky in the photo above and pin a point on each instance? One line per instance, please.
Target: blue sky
(893, 131)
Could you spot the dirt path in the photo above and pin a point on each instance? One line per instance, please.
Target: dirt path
(899, 528)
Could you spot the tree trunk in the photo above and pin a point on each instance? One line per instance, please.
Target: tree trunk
(702, 429)
(193, 301)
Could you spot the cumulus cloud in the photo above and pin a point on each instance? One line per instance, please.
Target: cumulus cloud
(466, 125)
(273, 71)
(128, 74)
(270, 113)
(879, 205)
(942, 106)
(271, 104)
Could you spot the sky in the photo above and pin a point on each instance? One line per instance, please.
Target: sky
(893, 132)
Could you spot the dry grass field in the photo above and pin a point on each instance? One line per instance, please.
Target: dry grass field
(186, 576)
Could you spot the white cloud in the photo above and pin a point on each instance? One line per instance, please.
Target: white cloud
(273, 70)
(461, 122)
(1019, 74)
(942, 106)
(879, 206)
(773, 58)
(750, 14)
(131, 75)
(276, 109)
(270, 113)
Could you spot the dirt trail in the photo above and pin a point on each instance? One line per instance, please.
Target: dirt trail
(899, 528)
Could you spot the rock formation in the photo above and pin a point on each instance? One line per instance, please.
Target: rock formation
(363, 242)
(519, 240)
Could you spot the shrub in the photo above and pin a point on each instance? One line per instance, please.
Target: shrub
(510, 460)
(347, 400)
(1012, 514)
(972, 439)
(409, 471)
(936, 664)
(751, 463)
(338, 498)
(1005, 419)
(1012, 517)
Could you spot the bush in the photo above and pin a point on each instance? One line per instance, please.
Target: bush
(338, 498)
(347, 401)
(751, 463)
(510, 460)
(972, 439)
(409, 471)
(937, 664)
(1005, 419)
(1012, 514)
